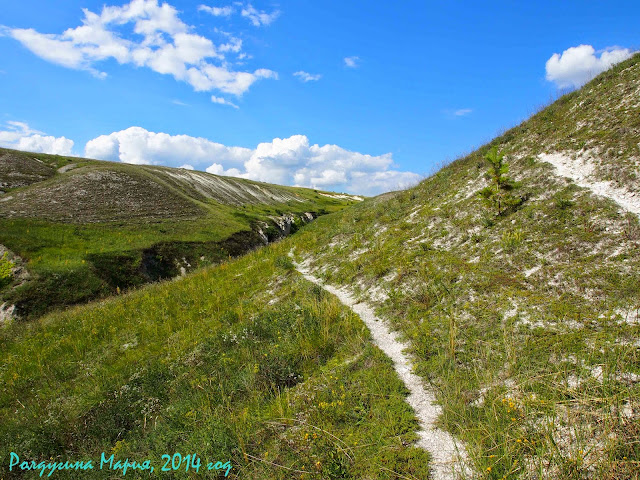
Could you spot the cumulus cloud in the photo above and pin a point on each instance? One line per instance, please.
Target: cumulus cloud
(352, 62)
(19, 136)
(222, 101)
(307, 77)
(159, 40)
(257, 17)
(285, 161)
(577, 65)
(218, 169)
(139, 146)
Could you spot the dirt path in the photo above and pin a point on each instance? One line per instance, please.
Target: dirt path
(580, 172)
(447, 454)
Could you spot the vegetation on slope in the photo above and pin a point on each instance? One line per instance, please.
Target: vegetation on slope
(87, 229)
(526, 323)
(243, 362)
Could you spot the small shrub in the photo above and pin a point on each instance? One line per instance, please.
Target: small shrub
(6, 270)
(284, 262)
(510, 240)
(499, 194)
(564, 203)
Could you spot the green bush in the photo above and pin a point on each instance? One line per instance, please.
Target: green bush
(499, 194)
(6, 270)
(284, 262)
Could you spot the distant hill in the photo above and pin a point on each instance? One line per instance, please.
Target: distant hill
(84, 228)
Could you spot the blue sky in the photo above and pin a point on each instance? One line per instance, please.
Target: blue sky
(352, 96)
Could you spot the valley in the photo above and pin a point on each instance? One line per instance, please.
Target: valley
(417, 334)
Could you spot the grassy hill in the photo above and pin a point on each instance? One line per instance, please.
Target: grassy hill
(525, 324)
(85, 228)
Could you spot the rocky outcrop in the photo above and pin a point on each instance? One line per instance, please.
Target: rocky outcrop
(289, 223)
(20, 275)
(6, 313)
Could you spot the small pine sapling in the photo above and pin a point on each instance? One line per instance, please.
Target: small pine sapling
(499, 193)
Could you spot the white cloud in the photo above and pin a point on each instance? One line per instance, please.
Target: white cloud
(139, 146)
(159, 40)
(386, 181)
(217, 11)
(285, 161)
(462, 112)
(577, 65)
(293, 161)
(186, 166)
(222, 101)
(19, 136)
(352, 62)
(217, 169)
(307, 77)
(257, 17)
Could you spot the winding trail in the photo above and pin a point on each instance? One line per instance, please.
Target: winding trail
(448, 456)
(580, 171)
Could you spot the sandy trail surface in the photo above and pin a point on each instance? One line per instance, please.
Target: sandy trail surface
(448, 455)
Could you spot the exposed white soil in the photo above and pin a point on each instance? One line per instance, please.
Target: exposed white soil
(411, 217)
(343, 196)
(581, 170)
(630, 316)
(6, 313)
(21, 274)
(448, 455)
(66, 168)
(532, 270)
(228, 189)
(356, 253)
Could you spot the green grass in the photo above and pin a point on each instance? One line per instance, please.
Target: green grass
(523, 397)
(245, 362)
(525, 324)
(6, 270)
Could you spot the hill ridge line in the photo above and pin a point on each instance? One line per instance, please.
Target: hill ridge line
(448, 455)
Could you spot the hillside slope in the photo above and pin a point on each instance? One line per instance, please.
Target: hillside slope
(81, 229)
(526, 323)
